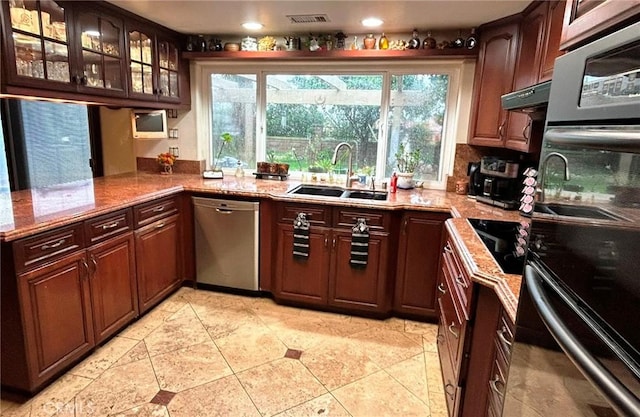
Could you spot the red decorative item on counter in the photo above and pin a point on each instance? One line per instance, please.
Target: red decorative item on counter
(393, 187)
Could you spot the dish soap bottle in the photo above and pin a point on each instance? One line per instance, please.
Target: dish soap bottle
(239, 170)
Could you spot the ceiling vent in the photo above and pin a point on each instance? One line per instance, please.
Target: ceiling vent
(308, 18)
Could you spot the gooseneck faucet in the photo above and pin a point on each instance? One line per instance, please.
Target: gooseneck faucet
(543, 170)
(334, 160)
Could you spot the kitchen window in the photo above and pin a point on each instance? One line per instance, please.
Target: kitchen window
(297, 114)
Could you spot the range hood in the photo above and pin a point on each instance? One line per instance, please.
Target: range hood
(532, 99)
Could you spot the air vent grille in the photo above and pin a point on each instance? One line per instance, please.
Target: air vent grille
(308, 18)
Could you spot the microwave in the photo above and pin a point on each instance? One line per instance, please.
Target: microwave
(149, 124)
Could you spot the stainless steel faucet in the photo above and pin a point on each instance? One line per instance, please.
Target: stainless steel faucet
(543, 170)
(334, 160)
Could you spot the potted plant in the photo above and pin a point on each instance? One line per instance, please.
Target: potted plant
(226, 139)
(407, 161)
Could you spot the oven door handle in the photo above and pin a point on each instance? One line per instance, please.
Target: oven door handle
(618, 395)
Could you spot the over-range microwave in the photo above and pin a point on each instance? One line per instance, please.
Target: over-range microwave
(149, 124)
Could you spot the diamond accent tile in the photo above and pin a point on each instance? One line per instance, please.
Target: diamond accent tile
(163, 397)
(293, 354)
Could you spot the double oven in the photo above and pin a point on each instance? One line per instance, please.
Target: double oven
(577, 340)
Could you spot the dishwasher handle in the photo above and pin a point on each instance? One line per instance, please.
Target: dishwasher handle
(223, 210)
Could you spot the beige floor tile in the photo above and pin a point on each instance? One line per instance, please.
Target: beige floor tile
(392, 323)
(430, 339)
(149, 322)
(224, 397)
(438, 405)
(434, 372)
(181, 330)
(14, 409)
(223, 321)
(270, 312)
(412, 375)
(57, 398)
(386, 347)
(303, 333)
(325, 405)
(338, 363)
(118, 389)
(136, 353)
(104, 357)
(250, 346)
(280, 385)
(147, 410)
(379, 395)
(419, 327)
(189, 367)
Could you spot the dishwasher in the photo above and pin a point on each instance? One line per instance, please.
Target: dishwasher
(226, 240)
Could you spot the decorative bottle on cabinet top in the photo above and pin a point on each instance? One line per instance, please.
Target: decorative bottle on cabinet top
(369, 41)
(472, 40)
(429, 42)
(384, 42)
(414, 42)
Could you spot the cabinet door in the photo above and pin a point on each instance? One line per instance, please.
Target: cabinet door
(141, 67)
(57, 315)
(168, 71)
(113, 285)
(157, 261)
(494, 76)
(418, 260)
(532, 31)
(357, 287)
(101, 58)
(38, 52)
(551, 49)
(303, 280)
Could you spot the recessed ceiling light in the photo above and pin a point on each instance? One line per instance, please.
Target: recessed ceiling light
(252, 25)
(371, 22)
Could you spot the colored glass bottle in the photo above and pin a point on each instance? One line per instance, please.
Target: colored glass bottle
(384, 42)
(429, 42)
(472, 40)
(414, 42)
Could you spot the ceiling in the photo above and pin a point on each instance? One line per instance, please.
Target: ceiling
(224, 17)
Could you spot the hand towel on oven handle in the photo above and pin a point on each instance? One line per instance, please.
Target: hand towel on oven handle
(301, 236)
(359, 244)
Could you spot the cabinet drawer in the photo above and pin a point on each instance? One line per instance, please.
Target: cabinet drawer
(316, 214)
(453, 328)
(150, 212)
(504, 336)
(460, 281)
(376, 220)
(45, 247)
(109, 225)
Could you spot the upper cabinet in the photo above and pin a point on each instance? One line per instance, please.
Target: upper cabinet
(155, 64)
(514, 54)
(586, 19)
(90, 51)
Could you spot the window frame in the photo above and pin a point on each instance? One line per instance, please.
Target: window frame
(454, 114)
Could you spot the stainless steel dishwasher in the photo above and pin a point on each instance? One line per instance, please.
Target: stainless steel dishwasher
(227, 235)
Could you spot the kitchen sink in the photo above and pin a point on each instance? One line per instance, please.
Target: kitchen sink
(576, 211)
(318, 190)
(367, 195)
(328, 191)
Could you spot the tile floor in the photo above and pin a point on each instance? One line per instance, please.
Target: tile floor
(202, 353)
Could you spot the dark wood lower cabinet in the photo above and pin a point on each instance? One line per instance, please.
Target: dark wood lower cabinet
(56, 312)
(359, 287)
(157, 261)
(113, 285)
(303, 279)
(417, 267)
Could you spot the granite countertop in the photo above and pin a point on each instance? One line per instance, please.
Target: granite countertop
(24, 213)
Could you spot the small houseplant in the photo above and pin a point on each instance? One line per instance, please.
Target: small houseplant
(226, 139)
(166, 161)
(407, 161)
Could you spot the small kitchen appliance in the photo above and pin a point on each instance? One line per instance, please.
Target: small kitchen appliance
(495, 181)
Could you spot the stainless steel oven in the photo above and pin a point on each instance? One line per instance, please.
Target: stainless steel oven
(577, 340)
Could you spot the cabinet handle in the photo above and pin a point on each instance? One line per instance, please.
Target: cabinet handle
(158, 209)
(450, 394)
(440, 338)
(461, 282)
(224, 211)
(452, 330)
(494, 386)
(500, 129)
(404, 226)
(48, 246)
(326, 242)
(441, 288)
(75, 79)
(503, 339)
(448, 249)
(161, 92)
(86, 270)
(95, 263)
(110, 225)
(160, 225)
(524, 132)
(84, 80)
(333, 243)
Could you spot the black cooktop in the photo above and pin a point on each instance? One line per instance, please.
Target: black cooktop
(506, 242)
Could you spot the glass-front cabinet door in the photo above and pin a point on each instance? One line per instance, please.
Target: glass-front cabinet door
(141, 56)
(168, 71)
(39, 34)
(101, 61)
